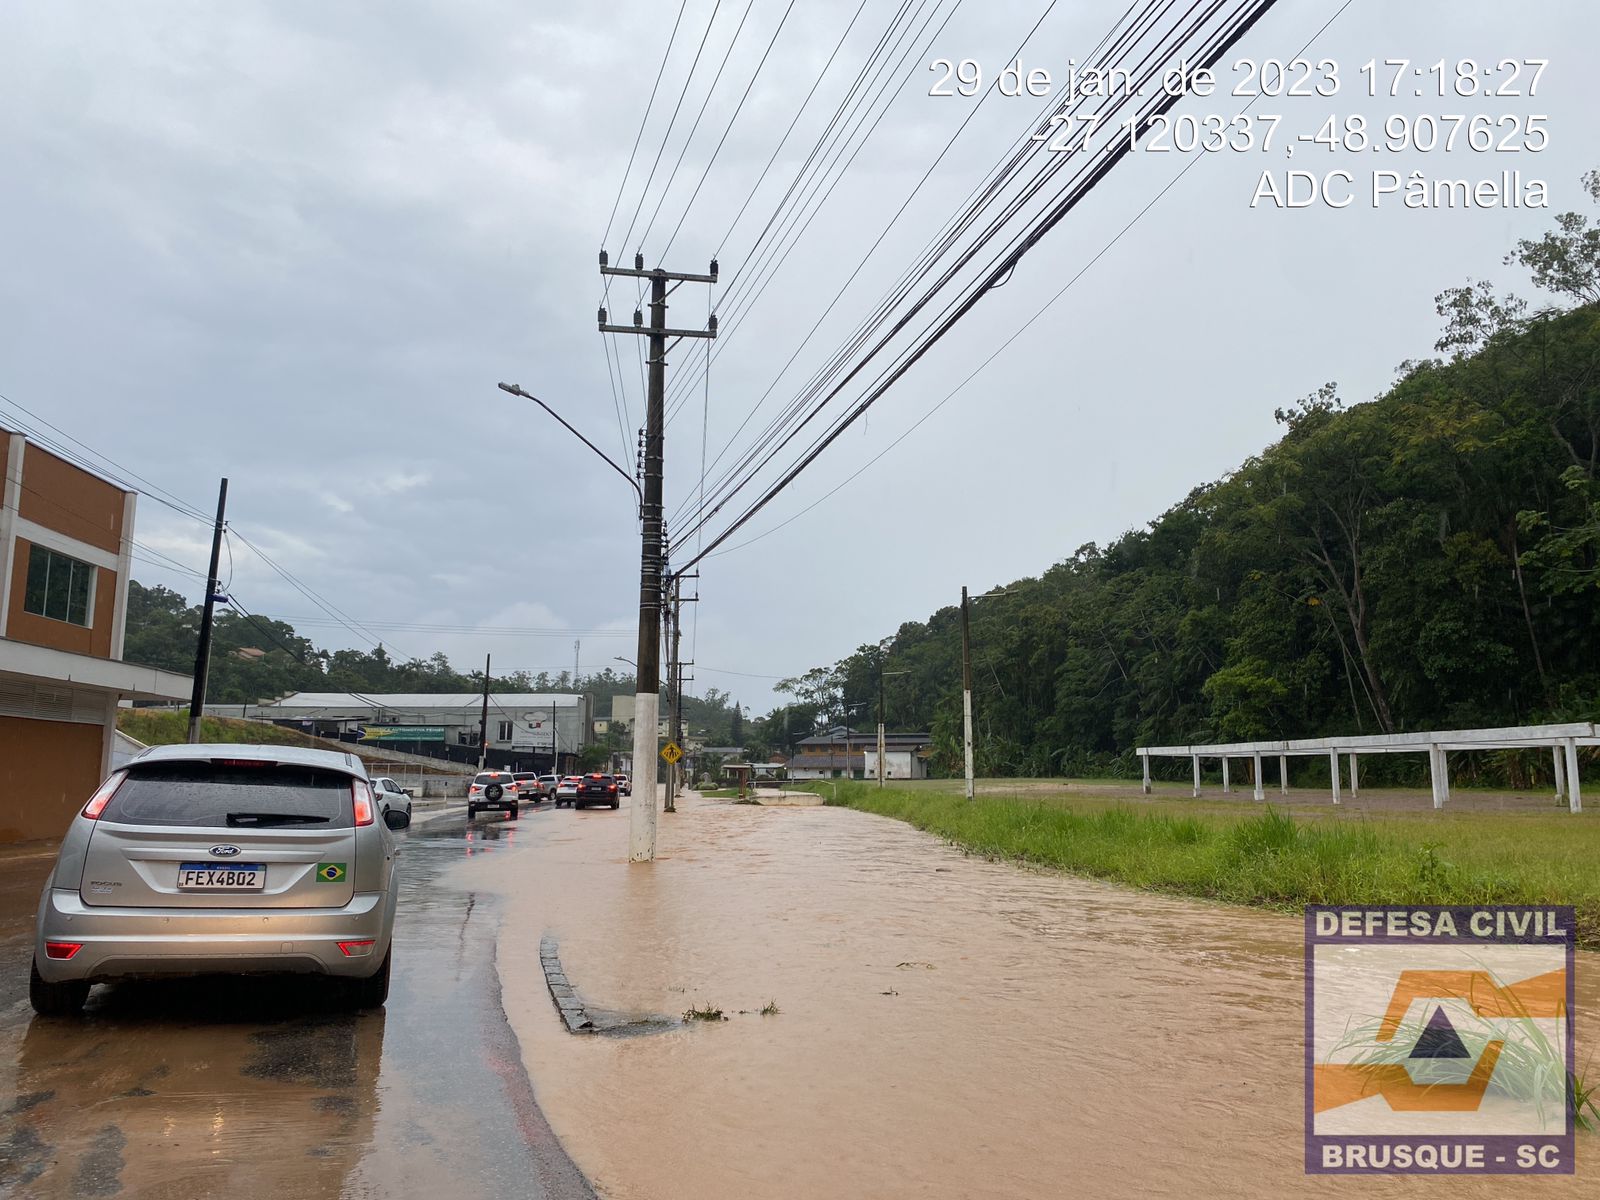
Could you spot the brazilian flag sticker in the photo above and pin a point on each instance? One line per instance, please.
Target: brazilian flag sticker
(330, 872)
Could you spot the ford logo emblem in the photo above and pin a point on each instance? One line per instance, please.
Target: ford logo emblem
(224, 851)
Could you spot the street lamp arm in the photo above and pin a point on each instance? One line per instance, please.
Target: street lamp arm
(516, 390)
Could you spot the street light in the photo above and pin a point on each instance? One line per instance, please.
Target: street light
(516, 390)
(882, 742)
(629, 661)
(966, 683)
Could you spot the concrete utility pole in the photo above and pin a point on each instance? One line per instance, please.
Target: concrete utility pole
(675, 676)
(647, 698)
(966, 693)
(966, 682)
(202, 651)
(674, 687)
(882, 738)
(483, 723)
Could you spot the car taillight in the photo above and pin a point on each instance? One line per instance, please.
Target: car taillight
(61, 949)
(97, 802)
(363, 799)
(358, 949)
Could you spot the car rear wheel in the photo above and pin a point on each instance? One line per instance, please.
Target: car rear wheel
(56, 999)
(513, 814)
(616, 804)
(372, 991)
(471, 812)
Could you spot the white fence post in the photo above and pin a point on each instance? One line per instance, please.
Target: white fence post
(1559, 753)
(1574, 787)
(1255, 766)
(1225, 788)
(1355, 785)
(1333, 766)
(1146, 760)
(1196, 776)
(1283, 773)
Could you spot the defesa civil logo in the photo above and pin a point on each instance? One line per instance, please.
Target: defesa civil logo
(1439, 1040)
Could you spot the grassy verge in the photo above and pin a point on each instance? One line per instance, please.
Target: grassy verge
(1245, 853)
(155, 728)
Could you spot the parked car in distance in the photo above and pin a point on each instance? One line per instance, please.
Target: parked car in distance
(492, 789)
(528, 786)
(624, 784)
(547, 785)
(390, 795)
(567, 789)
(597, 789)
(208, 859)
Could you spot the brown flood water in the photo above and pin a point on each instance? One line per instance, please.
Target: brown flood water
(949, 1027)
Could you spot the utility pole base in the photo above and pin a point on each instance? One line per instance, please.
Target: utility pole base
(642, 826)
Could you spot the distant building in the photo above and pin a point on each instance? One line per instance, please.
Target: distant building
(622, 715)
(847, 753)
(66, 539)
(531, 731)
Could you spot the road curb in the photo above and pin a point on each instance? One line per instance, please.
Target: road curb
(561, 990)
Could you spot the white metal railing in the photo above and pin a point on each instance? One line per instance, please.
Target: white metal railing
(1562, 740)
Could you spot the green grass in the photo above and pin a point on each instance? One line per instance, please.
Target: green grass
(1244, 853)
(708, 1012)
(720, 794)
(165, 728)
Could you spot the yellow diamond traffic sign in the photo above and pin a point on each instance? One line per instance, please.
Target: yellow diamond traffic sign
(671, 752)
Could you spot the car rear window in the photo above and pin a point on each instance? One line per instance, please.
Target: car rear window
(213, 796)
(498, 777)
(522, 777)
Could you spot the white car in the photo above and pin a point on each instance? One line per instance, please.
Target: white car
(492, 789)
(391, 796)
(567, 790)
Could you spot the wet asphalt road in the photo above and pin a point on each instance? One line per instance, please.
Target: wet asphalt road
(258, 1088)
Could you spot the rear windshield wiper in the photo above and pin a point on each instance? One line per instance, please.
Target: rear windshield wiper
(272, 818)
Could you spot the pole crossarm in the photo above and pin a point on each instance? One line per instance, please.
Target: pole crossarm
(671, 333)
(643, 273)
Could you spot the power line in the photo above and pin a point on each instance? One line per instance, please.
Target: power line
(92, 464)
(644, 120)
(645, 191)
(738, 108)
(753, 456)
(1004, 263)
(711, 91)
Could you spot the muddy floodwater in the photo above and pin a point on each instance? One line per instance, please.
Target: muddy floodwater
(946, 1027)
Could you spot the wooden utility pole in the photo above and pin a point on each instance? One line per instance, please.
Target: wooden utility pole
(483, 724)
(202, 650)
(647, 698)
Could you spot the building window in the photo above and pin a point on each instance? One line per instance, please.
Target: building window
(58, 587)
(505, 731)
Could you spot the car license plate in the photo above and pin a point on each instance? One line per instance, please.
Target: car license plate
(209, 877)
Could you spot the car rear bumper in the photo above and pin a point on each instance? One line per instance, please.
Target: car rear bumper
(122, 942)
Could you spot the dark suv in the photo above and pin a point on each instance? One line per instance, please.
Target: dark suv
(597, 789)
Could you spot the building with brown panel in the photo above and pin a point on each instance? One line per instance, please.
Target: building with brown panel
(66, 537)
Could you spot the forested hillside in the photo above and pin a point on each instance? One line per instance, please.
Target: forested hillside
(1427, 559)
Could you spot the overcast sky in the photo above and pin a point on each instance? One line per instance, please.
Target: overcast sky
(298, 244)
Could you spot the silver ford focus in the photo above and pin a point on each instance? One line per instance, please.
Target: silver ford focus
(222, 859)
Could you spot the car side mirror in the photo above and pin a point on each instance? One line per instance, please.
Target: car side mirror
(395, 819)
(408, 791)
